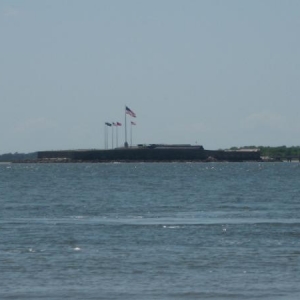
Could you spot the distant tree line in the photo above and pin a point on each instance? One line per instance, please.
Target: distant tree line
(8, 157)
(275, 152)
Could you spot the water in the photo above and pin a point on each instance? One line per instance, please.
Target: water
(150, 231)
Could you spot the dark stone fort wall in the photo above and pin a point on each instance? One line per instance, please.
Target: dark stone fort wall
(126, 154)
(150, 155)
(55, 154)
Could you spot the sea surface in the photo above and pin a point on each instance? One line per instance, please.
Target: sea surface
(150, 231)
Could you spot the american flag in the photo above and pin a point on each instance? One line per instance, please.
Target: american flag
(130, 112)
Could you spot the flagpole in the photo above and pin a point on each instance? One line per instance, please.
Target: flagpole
(117, 136)
(131, 134)
(104, 136)
(125, 144)
(112, 136)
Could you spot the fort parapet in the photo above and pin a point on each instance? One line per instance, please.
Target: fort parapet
(154, 152)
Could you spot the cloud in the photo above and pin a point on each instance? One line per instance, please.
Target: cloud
(199, 127)
(266, 119)
(36, 124)
(11, 12)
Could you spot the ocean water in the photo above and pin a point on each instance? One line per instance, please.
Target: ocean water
(150, 231)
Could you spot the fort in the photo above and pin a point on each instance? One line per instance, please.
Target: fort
(150, 153)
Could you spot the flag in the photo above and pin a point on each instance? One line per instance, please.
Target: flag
(108, 124)
(119, 124)
(130, 112)
(132, 123)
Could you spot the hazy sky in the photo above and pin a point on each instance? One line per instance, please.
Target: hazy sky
(216, 73)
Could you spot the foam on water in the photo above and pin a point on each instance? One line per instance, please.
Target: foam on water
(150, 231)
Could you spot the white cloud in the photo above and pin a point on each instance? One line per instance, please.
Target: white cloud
(11, 11)
(199, 127)
(266, 119)
(35, 125)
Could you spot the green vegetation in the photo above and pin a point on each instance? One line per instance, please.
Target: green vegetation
(275, 152)
(8, 157)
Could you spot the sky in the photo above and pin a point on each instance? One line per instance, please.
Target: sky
(207, 72)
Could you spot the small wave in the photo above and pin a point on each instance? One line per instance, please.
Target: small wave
(138, 220)
(172, 227)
